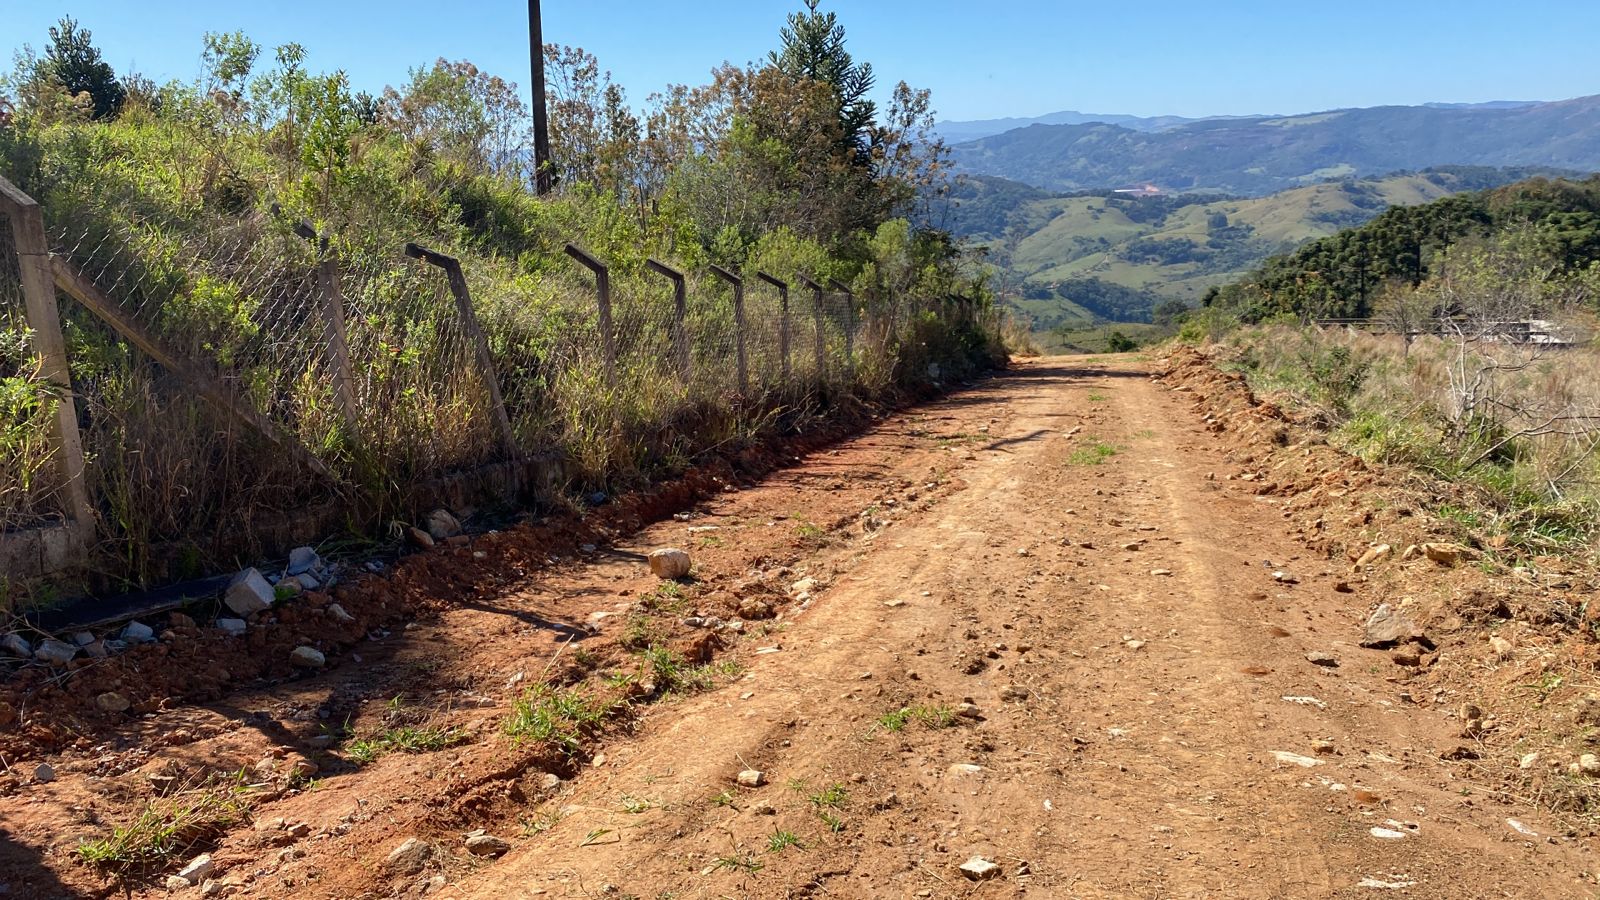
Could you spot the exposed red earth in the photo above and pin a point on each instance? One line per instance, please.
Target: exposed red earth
(1088, 629)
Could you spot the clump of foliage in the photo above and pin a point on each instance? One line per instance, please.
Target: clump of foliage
(183, 195)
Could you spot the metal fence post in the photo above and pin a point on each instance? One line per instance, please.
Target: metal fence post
(850, 320)
(335, 344)
(680, 312)
(602, 284)
(738, 326)
(480, 344)
(822, 332)
(783, 322)
(44, 320)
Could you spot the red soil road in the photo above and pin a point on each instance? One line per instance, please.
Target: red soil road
(1128, 770)
(1130, 668)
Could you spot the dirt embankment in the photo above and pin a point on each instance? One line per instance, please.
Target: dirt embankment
(1510, 634)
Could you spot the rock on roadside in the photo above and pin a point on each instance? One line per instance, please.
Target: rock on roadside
(669, 563)
(249, 592)
(979, 869)
(16, 645)
(409, 857)
(307, 658)
(1388, 626)
(487, 845)
(198, 869)
(112, 702)
(56, 653)
(442, 525)
(302, 560)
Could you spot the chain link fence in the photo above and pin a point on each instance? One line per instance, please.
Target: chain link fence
(239, 370)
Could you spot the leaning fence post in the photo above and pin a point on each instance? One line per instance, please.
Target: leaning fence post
(680, 312)
(738, 326)
(334, 342)
(602, 286)
(783, 321)
(822, 332)
(44, 320)
(850, 320)
(480, 344)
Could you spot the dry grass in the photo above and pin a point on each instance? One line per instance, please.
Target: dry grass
(1534, 482)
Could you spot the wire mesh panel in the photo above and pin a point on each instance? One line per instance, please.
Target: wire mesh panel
(424, 405)
(30, 477)
(178, 451)
(713, 341)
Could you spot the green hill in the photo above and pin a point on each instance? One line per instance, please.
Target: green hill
(1114, 257)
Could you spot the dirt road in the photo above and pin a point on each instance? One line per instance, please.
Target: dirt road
(1050, 621)
(1147, 722)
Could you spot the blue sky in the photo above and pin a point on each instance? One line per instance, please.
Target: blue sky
(982, 60)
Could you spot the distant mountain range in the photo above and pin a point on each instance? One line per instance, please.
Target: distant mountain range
(1257, 155)
(960, 132)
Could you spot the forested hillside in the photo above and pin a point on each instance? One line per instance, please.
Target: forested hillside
(1266, 154)
(1551, 225)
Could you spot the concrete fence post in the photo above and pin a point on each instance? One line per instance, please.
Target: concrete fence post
(680, 314)
(602, 289)
(783, 322)
(335, 343)
(738, 326)
(480, 344)
(44, 320)
(821, 326)
(850, 320)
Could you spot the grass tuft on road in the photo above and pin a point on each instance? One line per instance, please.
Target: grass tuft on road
(1092, 454)
(561, 717)
(406, 739)
(167, 830)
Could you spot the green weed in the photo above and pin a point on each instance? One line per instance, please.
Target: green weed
(636, 805)
(738, 863)
(783, 840)
(541, 822)
(1092, 454)
(405, 739)
(673, 675)
(834, 796)
(930, 716)
(563, 717)
(166, 830)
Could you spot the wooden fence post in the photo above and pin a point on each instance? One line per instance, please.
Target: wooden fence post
(738, 326)
(783, 322)
(680, 312)
(334, 342)
(822, 328)
(469, 321)
(850, 320)
(44, 320)
(602, 284)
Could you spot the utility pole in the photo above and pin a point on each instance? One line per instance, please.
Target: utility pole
(543, 177)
